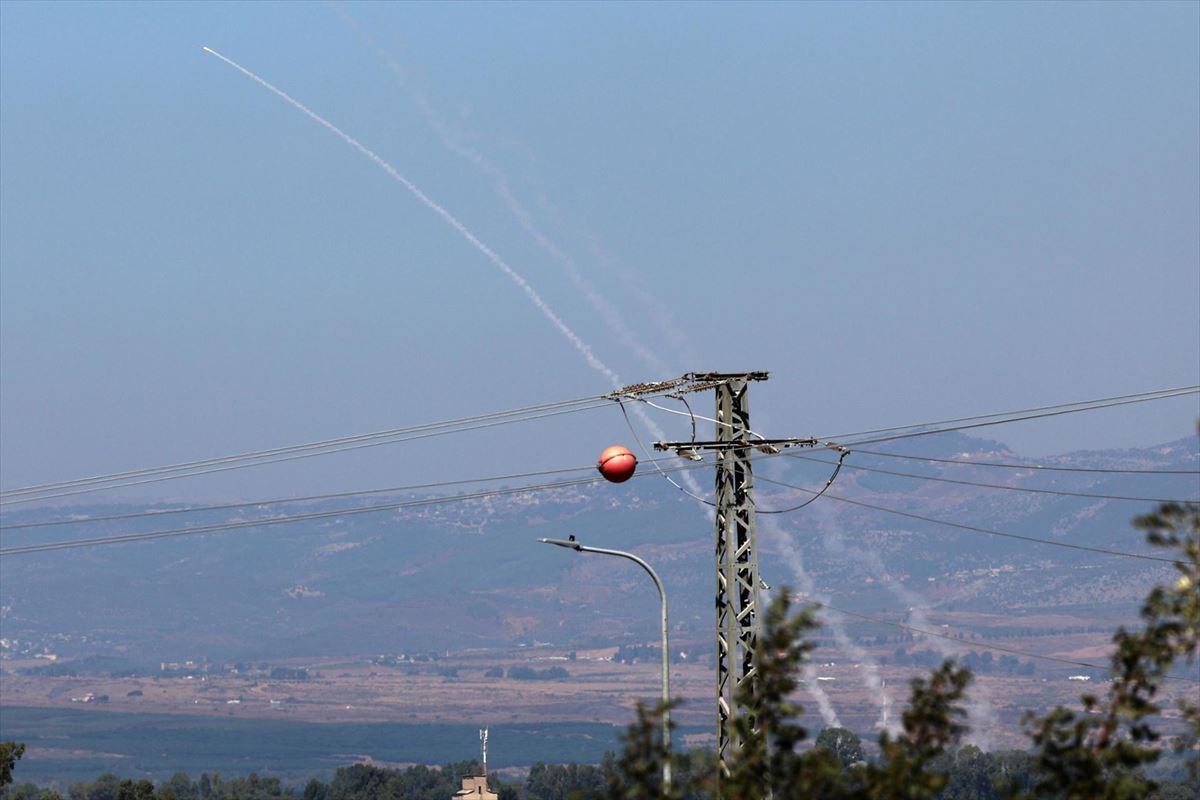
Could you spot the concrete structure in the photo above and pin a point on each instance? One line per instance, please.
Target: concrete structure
(475, 789)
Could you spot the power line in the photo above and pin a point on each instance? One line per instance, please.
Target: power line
(1065, 408)
(255, 523)
(837, 469)
(1025, 414)
(396, 435)
(1040, 467)
(1135, 397)
(107, 478)
(938, 479)
(981, 645)
(974, 528)
(1146, 395)
(1087, 406)
(506, 417)
(283, 500)
(654, 461)
(304, 455)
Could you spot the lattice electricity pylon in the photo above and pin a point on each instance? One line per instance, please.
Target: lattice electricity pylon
(738, 622)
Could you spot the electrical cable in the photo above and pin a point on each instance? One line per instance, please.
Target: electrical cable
(107, 478)
(1103, 402)
(1041, 411)
(329, 445)
(653, 461)
(1090, 407)
(1041, 467)
(254, 523)
(1010, 413)
(976, 529)
(1141, 397)
(683, 399)
(694, 416)
(829, 482)
(1062, 493)
(975, 643)
(283, 500)
(303, 455)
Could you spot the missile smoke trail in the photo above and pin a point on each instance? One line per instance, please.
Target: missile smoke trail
(804, 584)
(593, 361)
(824, 704)
(503, 187)
(809, 681)
(869, 668)
(980, 713)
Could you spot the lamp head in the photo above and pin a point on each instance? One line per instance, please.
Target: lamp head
(569, 543)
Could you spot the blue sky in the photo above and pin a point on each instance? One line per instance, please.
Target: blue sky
(903, 211)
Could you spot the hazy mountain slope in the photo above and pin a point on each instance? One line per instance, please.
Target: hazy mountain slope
(471, 574)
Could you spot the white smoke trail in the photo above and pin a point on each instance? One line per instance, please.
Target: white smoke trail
(869, 671)
(613, 320)
(462, 229)
(980, 713)
(805, 585)
(607, 311)
(612, 317)
(655, 310)
(824, 704)
(869, 668)
(809, 676)
(593, 361)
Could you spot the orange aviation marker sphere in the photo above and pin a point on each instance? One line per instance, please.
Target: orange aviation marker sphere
(617, 464)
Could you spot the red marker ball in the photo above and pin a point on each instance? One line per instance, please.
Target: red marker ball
(617, 464)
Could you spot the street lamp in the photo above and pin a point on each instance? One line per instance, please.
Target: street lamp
(666, 685)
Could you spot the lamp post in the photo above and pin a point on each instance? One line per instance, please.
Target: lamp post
(666, 685)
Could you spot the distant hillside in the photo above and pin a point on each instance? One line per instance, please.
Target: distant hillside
(471, 574)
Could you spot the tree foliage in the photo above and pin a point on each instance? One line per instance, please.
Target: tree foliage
(564, 782)
(10, 754)
(844, 744)
(1096, 754)
(767, 760)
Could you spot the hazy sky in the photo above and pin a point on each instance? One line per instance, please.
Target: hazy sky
(904, 212)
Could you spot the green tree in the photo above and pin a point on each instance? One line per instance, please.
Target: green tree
(973, 774)
(844, 744)
(28, 791)
(10, 754)
(135, 790)
(1097, 755)
(365, 782)
(932, 723)
(105, 787)
(181, 786)
(315, 790)
(564, 782)
(637, 773)
(768, 762)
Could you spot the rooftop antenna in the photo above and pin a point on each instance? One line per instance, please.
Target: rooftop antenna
(483, 738)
